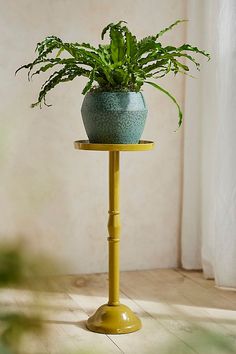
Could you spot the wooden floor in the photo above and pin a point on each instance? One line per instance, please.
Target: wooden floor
(181, 313)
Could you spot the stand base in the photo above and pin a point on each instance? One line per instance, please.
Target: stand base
(115, 319)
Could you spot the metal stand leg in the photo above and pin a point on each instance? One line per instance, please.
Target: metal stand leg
(114, 318)
(114, 228)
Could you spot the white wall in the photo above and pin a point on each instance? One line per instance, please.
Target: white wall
(57, 197)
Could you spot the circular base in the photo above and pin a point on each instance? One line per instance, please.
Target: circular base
(116, 319)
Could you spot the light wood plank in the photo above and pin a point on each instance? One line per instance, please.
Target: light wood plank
(72, 322)
(152, 334)
(229, 294)
(177, 304)
(174, 306)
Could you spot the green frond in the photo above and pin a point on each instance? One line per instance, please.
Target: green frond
(66, 74)
(123, 64)
(110, 26)
(104, 31)
(188, 47)
(169, 28)
(158, 87)
(90, 82)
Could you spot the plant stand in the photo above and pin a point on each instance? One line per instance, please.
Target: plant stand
(113, 317)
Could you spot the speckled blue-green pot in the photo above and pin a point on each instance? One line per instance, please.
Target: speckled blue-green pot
(114, 117)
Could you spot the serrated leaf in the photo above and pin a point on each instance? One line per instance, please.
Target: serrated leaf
(121, 65)
(90, 82)
(188, 47)
(104, 31)
(109, 26)
(169, 28)
(131, 45)
(117, 44)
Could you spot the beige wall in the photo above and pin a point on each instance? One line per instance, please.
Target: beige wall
(56, 197)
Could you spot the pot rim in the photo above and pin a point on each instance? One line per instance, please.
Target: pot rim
(109, 92)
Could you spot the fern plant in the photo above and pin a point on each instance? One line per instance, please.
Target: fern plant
(125, 64)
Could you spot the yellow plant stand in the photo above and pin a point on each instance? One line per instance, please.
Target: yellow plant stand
(113, 317)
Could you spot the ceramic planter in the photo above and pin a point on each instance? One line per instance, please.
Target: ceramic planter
(114, 117)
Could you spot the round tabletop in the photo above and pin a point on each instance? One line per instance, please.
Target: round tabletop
(143, 145)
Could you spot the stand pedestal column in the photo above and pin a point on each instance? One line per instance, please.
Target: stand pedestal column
(114, 317)
(114, 228)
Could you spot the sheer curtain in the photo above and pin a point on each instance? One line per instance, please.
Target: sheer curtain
(209, 188)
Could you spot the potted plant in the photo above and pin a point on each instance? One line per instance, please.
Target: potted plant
(114, 109)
